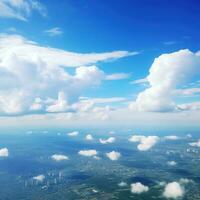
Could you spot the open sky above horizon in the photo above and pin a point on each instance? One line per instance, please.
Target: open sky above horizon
(100, 63)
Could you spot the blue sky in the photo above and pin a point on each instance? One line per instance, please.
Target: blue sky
(150, 29)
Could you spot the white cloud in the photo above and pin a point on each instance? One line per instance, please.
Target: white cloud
(122, 184)
(59, 157)
(136, 138)
(107, 141)
(117, 76)
(20, 9)
(139, 81)
(97, 157)
(138, 188)
(4, 152)
(171, 137)
(172, 163)
(89, 137)
(184, 181)
(34, 79)
(187, 91)
(88, 153)
(73, 134)
(189, 106)
(145, 142)
(113, 155)
(167, 72)
(39, 178)
(173, 190)
(103, 100)
(195, 144)
(170, 42)
(56, 31)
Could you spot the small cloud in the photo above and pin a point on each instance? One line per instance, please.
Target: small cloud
(136, 138)
(185, 181)
(195, 144)
(171, 163)
(89, 137)
(170, 42)
(56, 31)
(173, 190)
(113, 155)
(73, 134)
(171, 137)
(39, 178)
(59, 157)
(138, 188)
(139, 81)
(97, 157)
(107, 141)
(122, 184)
(88, 153)
(145, 142)
(4, 152)
(117, 76)
(95, 191)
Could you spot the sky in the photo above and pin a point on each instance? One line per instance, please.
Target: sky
(133, 63)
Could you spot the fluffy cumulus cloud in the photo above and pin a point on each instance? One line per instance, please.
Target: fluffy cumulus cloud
(138, 188)
(173, 190)
(4, 152)
(145, 142)
(167, 73)
(20, 9)
(39, 178)
(59, 157)
(88, 153)
(35, 79)
(107, 141)
(73, 134)
(113, 155)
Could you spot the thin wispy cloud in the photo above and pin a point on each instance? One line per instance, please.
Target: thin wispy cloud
(21, 10)
(56, 31)
(117, 76)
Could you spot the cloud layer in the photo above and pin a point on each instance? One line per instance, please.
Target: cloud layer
(35, 78)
